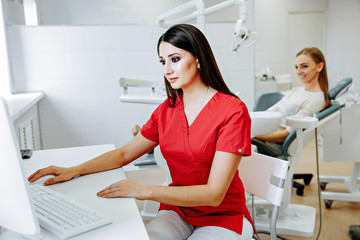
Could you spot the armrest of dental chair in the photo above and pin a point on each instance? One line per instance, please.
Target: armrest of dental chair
(327, 111)
(320, 116)
(302, 122)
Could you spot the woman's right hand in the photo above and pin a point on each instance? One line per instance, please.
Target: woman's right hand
(61, 174)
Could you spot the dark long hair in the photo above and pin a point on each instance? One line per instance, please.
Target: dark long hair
(318, 57)
(191, 39)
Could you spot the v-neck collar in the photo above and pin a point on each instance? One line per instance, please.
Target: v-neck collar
(182, 111)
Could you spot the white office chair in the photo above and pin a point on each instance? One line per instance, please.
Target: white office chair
(264, 176)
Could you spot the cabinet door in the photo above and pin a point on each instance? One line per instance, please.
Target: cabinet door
(28, 130)
(342, 137)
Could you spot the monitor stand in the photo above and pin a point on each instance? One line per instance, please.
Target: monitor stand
(6, 234)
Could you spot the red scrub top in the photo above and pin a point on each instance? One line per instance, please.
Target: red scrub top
(222, 125)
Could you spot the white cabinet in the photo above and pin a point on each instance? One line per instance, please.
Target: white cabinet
(280, 83)
(25, 116)
(263, 86)
(342, 137)
(27, 129)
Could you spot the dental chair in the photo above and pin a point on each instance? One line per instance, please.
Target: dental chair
(280, 150)
(295, 219)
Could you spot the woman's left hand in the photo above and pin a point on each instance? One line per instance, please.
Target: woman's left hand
(124, 188)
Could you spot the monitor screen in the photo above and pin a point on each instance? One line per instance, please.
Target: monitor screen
(16, 210)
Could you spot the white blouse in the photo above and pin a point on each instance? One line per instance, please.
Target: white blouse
(299, 102)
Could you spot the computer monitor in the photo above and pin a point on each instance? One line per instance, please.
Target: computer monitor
(16, 209)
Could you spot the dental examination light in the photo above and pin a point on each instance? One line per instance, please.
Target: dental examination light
(243, 37)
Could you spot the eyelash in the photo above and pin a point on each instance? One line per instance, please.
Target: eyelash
(173, 59)
(302, 67)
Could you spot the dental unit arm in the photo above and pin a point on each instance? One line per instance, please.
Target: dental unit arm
(242, 36)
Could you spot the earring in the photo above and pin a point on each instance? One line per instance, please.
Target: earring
(199, 67)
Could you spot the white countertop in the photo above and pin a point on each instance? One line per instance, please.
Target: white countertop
(19, 103)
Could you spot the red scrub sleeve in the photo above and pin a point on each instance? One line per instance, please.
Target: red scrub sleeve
(235, 136)
(150, 130)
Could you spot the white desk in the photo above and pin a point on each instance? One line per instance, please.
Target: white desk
(127, 223)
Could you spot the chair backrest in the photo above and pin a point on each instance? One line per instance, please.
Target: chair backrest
(266, 100)
(340, 88)
(264, 176)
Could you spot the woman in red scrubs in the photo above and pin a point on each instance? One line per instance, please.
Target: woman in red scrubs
(203, 130)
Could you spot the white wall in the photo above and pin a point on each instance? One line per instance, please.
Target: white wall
(95, 12)
(10, 12)
(343, 38)
(78, 68)
(13, 12)
(270, 24)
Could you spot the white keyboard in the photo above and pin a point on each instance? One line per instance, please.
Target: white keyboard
(63, 216)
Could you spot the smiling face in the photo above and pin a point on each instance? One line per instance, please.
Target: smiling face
(180, 67)
(306, 68)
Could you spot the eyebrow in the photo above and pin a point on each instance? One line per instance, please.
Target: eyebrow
(171, 54)
(304, 63)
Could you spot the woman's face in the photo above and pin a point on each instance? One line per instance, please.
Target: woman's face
(180, 67)
(307, 70)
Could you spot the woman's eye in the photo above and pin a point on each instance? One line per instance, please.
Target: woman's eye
(304, 67)
(162, 62)
(175, 59)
